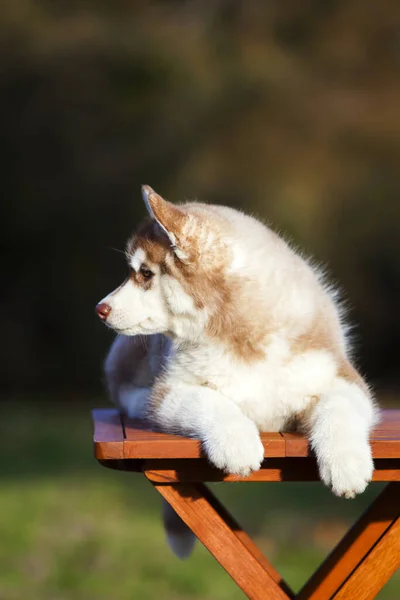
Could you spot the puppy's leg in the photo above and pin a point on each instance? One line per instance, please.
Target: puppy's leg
(230, 439)
(130, 368)
(339, 428)
(133, 400)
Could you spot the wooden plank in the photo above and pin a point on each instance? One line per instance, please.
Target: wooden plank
(385, 438)
(273, 469)
(143, 443)
(108, 434)
(354, 546)
(389, 432)
(383, 445)
(296, 445)
(386, 470)
(196, 510)
(385, 448)
(388, 426)
(391, 415)
(372, 574)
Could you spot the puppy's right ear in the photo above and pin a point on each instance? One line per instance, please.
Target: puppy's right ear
(169, 217)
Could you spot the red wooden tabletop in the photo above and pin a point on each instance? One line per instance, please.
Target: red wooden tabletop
(117, 437)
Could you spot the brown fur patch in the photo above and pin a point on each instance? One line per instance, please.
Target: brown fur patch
(230, 320)
(142, 281)
(350, 374)
(321, 336)
(155, 244)
(234, 323)
(172, 217)
(152, 240)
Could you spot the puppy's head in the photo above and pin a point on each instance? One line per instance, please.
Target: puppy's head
(176, 262)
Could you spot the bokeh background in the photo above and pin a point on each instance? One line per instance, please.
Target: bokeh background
(287, 109)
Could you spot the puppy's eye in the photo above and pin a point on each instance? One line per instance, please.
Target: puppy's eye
(147, 274)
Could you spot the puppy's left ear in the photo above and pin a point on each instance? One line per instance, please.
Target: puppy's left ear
(170, 218)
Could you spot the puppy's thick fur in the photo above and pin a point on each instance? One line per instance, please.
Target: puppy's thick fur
(235, 333)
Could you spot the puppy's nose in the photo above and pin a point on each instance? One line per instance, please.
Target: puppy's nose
(103, 310)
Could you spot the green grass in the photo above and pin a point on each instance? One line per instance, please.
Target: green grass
(72, 530)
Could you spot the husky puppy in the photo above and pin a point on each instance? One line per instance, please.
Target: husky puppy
(226, 331)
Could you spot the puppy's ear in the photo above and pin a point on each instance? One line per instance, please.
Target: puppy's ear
(169, 217)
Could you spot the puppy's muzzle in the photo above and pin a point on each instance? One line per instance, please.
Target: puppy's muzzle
(103, 310)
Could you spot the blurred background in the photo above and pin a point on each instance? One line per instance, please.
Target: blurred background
(289, 110)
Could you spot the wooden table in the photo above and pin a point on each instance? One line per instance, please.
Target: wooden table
(357, 568)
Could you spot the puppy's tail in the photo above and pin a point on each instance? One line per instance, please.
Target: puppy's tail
(180, 538)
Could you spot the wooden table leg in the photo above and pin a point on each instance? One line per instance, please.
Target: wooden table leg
(360, 547)
(376, 569)
(222, 536)
(246, 540)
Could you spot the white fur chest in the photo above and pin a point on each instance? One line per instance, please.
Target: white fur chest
(267, 391)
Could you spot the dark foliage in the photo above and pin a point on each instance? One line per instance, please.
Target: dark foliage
(287, 109)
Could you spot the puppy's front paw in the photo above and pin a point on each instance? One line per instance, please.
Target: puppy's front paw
(348, 471)
(235, 448)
